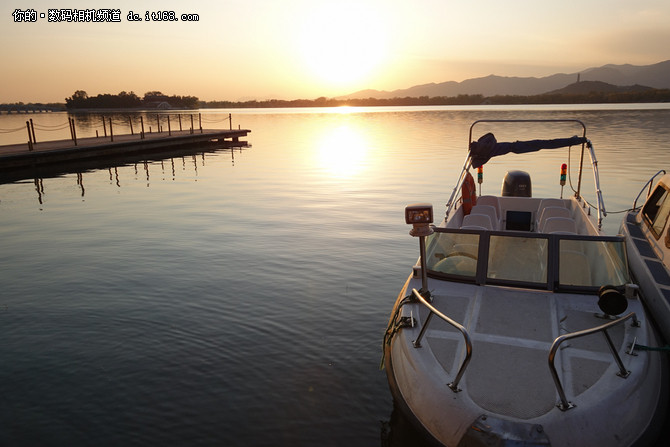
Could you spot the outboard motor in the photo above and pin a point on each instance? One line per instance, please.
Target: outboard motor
(516, 184)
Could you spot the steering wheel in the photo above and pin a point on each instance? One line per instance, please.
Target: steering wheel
(461, 253)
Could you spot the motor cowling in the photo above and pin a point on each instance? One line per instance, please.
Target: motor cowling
(517, 184)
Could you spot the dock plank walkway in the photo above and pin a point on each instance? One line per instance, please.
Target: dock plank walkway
(17, 156)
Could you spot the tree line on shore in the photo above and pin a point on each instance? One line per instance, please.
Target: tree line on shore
(648, 96)
(155, 99)
(125, 100)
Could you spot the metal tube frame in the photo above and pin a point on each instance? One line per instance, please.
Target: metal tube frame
(596, 178)
(468, 162)
(650, 183)
(468, 342)
(564, 404)
(424, 271)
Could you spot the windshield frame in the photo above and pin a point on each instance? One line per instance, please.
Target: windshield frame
(552, 281)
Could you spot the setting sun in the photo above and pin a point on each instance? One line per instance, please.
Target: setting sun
(342, 44)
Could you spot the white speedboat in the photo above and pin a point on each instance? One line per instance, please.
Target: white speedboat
(518, 323)
(648, 243)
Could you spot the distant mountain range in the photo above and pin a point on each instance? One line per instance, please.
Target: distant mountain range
(632, 76)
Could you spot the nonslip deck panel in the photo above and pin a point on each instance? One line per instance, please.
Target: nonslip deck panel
(643, 247)
(634, 229)
(499, 368)
(658, 271)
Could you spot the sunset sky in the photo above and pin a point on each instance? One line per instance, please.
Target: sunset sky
(289, 49)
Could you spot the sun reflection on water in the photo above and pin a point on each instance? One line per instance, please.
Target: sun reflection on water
(342, 152)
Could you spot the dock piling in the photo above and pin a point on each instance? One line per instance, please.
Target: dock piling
(104, 126)
(200, 121)
(74, 131)
(30, 137)
(142, 123)
(169, 129)
(32, 128)
(111, 132)
(130, 120)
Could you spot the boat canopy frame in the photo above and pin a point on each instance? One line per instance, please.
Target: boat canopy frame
(497, 149)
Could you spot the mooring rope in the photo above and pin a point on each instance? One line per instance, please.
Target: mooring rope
(665, 348)
(12, 130)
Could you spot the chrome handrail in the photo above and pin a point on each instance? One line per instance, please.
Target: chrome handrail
(564, 404)
(468, 343)
(596, 178)
(461, 178)
(649, 182)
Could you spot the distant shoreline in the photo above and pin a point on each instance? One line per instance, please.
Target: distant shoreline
(647, 96)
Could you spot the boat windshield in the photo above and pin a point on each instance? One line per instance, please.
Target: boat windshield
(552, 261)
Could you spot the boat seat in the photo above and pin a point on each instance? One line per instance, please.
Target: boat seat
(474, 227)
(562, 225)
(471, 249)
(491, 201)
(574, 269)
(551, 202)
(478, 220)
(487, 210)
(457, 265)
(551, 211)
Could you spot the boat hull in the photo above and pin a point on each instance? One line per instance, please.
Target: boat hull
(650, 273)
(630, 415)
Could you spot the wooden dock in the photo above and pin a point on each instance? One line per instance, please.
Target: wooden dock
(42, 154)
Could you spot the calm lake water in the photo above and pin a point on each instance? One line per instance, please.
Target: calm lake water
(239, 297)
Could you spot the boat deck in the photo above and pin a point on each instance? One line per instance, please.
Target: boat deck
(512, 332)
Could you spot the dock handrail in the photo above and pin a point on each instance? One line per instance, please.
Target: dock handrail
(649, 183)
(565, 404)
(468, 343)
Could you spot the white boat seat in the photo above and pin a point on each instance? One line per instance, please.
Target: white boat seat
(470, 249)
(562, 225)
(479, 220)
(491, 201)
(574, 269)
(552, 202)
(487, 210)
(551, 211)
(474, 227)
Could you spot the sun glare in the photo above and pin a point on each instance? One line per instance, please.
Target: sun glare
(342, 152)
(342, 44)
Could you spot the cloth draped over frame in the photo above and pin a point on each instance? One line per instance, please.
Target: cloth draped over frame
(487, 147)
